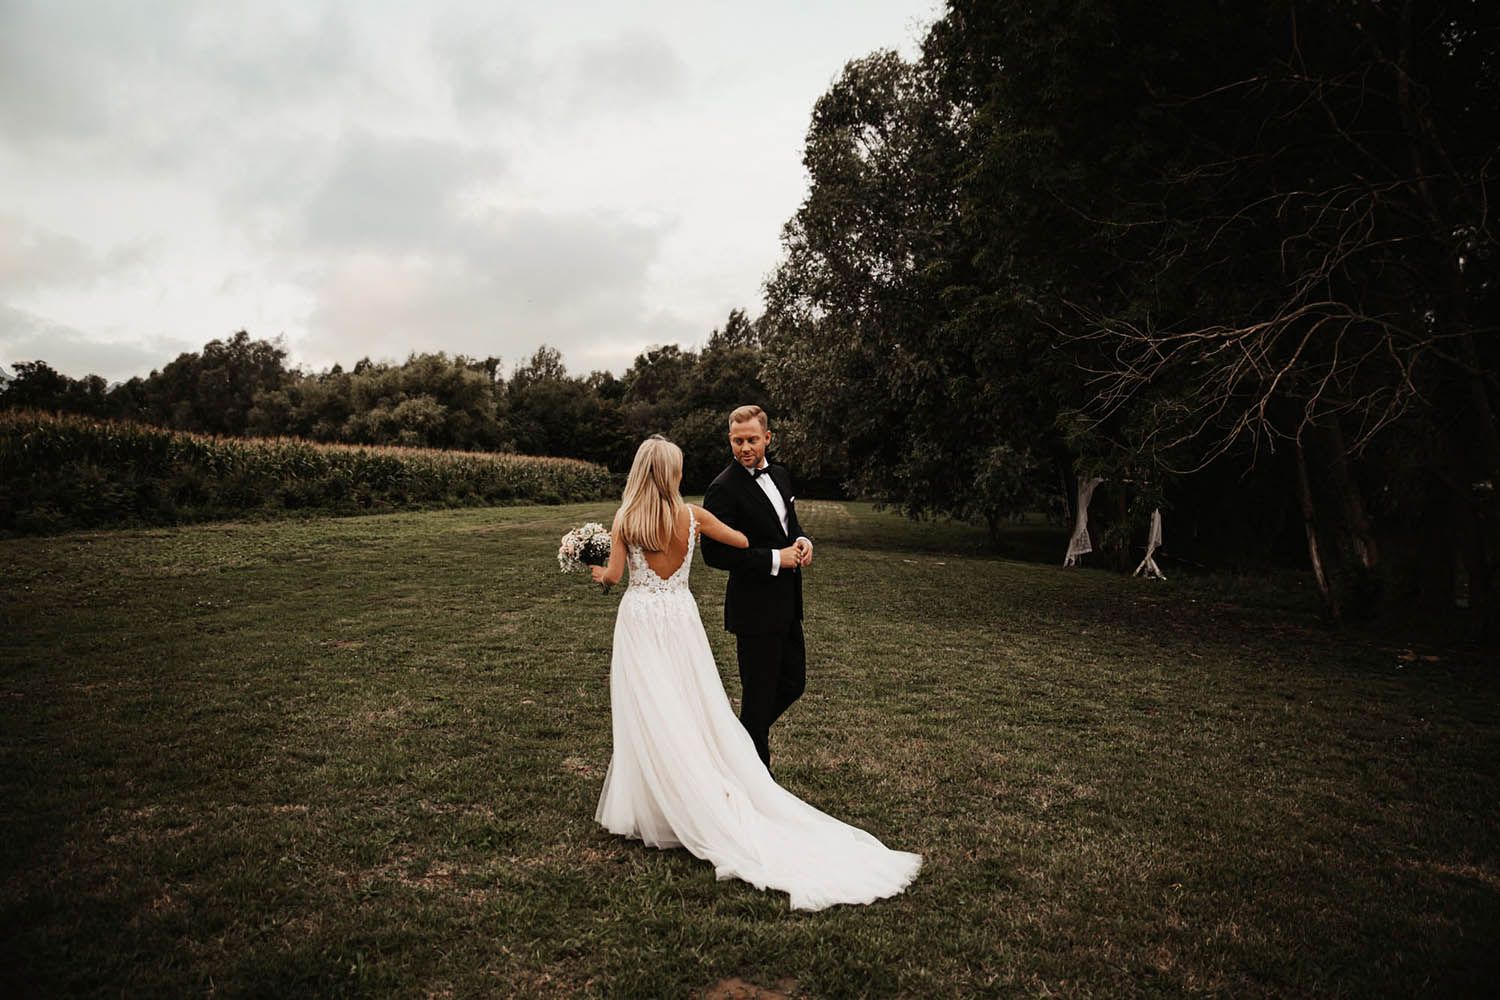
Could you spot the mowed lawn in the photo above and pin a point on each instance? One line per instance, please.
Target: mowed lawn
(361, 756)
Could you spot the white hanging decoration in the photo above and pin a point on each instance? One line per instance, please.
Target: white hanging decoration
(1079, 544)
(1153, 542)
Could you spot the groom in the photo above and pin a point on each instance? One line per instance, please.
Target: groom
(763, 602)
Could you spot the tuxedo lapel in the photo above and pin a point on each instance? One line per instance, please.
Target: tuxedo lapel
(779, 480)
(763, 503)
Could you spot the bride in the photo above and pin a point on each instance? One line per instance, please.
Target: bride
(684, 771)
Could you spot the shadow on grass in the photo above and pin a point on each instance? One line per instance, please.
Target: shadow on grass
(1030, 539)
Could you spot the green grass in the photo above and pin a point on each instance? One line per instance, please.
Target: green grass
(361, 756)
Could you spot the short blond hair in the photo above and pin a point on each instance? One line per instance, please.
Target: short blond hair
(747, 413)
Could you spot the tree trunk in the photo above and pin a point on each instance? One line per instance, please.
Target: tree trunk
(992, 524)
(1482, 470)
(1122, 537)
(1070, 498)
(1356, 514)
(1309, 522)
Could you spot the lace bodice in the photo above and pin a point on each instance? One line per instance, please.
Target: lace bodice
(644, 578)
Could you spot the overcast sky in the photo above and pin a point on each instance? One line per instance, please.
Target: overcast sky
(376, 178)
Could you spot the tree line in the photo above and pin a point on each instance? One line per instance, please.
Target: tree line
(242, 386)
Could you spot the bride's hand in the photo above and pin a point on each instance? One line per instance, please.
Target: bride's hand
(598, 573)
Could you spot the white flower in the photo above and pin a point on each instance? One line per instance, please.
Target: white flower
(586, 545)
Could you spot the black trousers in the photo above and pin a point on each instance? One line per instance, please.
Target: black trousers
(773, 672)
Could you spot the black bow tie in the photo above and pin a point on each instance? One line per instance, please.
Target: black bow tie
(757, 473)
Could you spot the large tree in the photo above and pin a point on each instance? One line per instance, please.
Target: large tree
(553, 413)
(214, 390)
(1221, 252)
(37, 385)
(911, 359)
(1320, 229)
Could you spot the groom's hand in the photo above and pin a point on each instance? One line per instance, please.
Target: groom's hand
(791, 557)
(804, 551)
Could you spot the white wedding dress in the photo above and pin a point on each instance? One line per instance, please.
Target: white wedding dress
(685, 773)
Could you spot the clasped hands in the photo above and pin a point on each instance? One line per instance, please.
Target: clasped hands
(799, 553)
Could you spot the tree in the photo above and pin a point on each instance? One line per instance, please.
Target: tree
(738, 332)
(901, 358)
(214, 391)
(1157, 243)
(545, 364)
(659, 378)
(1322, 227)
(37, 385)
(430, 400)
(552, 413)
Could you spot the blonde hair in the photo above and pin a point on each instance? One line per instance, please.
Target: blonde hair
(651, 504)
(747, 413)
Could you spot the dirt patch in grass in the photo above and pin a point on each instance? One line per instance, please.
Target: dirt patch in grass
(738, 989)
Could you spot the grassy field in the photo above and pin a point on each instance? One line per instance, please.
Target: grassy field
(361, 756)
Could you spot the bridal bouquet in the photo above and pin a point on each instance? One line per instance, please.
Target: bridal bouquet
(584, 546)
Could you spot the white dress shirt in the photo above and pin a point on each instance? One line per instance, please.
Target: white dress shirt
(774, 495)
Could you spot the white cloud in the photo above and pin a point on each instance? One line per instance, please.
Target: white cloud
(157, 83)
(394, 192)
(627, 72)
(386, 177)
(503, 285)
(54, 66)
(32, 257)
(501, 69)
(24, 337)
(489, 66)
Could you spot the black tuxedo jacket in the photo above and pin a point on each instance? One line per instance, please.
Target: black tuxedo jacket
(755, 601)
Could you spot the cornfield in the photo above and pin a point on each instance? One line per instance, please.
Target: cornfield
(61, 471)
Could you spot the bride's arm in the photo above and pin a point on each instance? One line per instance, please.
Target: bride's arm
(716, 529)
(611, 574)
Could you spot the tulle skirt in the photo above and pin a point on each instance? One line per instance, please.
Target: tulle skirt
(685, 773)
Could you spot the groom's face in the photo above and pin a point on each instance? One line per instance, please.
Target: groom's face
(748, 441)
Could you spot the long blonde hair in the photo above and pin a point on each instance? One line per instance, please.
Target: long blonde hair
(651, 504)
